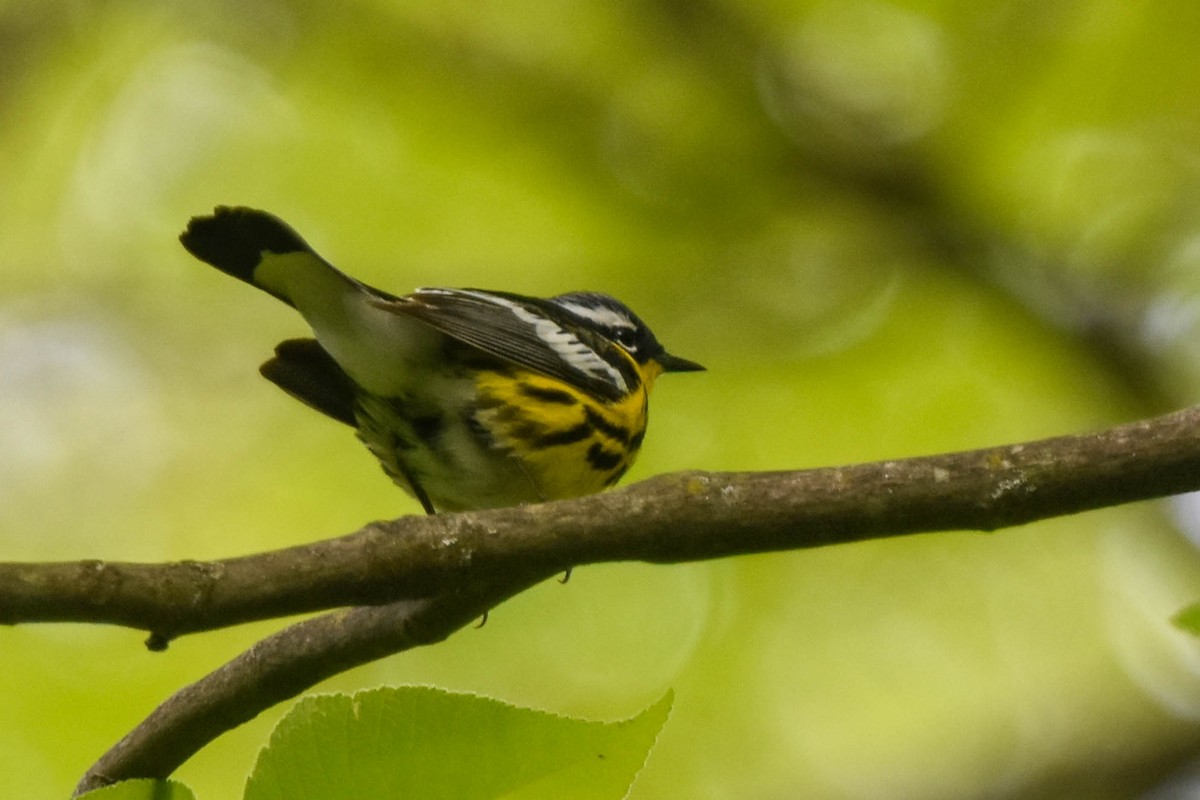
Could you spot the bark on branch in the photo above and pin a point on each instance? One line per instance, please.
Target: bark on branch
(685, 516)
(422, 578)
(280, 667)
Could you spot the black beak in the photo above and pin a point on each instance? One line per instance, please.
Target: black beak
(671, 363)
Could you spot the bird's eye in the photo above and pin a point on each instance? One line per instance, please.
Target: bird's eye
(626, 337)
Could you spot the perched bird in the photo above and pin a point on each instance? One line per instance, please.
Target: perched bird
(468, 398)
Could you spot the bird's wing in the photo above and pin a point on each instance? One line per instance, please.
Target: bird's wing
(524, 331)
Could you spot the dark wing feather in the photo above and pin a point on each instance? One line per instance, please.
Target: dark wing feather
(303, 369)
(527, 332)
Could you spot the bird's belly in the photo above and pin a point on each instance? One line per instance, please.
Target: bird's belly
(436, 448)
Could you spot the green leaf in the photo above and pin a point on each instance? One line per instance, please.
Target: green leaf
(417, 742)
(141, 789)
(1188, 619)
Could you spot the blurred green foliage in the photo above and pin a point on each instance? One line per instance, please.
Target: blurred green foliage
(886, 228)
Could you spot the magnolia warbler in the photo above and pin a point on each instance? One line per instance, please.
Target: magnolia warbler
(468, 398)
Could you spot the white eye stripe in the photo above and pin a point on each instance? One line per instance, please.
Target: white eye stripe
(608, 318)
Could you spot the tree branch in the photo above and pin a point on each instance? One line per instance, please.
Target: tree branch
(672, 518)
(282, 666)
(468, 563)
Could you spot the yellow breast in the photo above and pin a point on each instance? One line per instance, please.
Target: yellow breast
(567, 443)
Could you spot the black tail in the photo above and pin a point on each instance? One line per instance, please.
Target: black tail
(234, 239)
(303, 369)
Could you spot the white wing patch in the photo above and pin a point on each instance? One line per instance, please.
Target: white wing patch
(565, 344)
